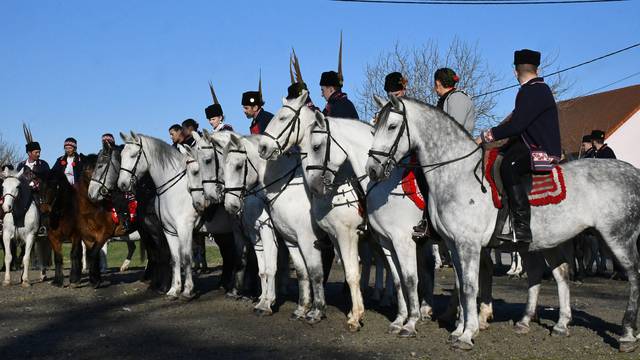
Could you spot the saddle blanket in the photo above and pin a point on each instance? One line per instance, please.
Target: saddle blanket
(410, 188)
(548, 188)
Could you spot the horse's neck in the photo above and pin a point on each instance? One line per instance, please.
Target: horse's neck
(439, 139)
(82, 197)
(271, 172)
(356, 139)
(159, 172)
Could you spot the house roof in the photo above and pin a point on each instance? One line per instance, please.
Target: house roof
(605, 111)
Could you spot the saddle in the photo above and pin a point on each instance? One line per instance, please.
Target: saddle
(410, 188)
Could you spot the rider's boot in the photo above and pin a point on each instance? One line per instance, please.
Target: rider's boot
(422, 231)
(520, 215)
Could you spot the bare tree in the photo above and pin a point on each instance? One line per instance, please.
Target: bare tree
(420, 63)
(8, 152)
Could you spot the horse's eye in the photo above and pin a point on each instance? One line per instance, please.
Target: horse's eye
(393, 126)
(239, 167)
(207, 161)
(316, 147)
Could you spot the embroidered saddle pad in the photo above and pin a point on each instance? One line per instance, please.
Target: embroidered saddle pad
(410, 188)
(547, 188)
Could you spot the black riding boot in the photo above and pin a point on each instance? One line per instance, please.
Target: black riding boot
(520, 215)
(422, 231)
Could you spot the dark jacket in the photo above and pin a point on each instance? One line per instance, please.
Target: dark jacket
(535, 119)
(40, 169)
(61, 164)
(260, 122)
(224, 127)
(340, 106)
(605, 152)
(189, 141)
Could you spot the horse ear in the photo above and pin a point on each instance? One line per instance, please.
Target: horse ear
(396, 102)
(22, 171)
(319, 117)
(235, 139)
(284, 101)
(379, 101)
(124, 137)
(183, 149)
(302, 99)
(134, 136)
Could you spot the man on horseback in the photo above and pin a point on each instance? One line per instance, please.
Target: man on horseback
(39, 167)
(533, 131)
(215, 116)
(125, 204)
(252, 107)
(338, 105)
(460, 107)
(188, 127)
(69, 164)
(176, 135)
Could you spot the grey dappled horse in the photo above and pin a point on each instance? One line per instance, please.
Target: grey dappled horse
(465, 215)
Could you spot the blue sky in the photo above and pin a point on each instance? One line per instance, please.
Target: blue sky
(81, 68)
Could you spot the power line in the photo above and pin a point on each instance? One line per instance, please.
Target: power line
(565, 69)
(612, 83)
(479, 2)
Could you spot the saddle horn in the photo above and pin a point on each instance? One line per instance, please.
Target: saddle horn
(213, 93)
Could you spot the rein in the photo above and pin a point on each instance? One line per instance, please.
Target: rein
(104, 189)
(293, 124)
(218, 180)
(327, 154)
(390, 155)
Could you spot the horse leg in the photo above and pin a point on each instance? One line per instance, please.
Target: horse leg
(469, 259)
(534, 265)
(7, 234)
(85, 267)
(76, 262)
(304, 286)
(131, 248)
(176, 281)
(93, 262)
(56, 246)
(103, 255)
(348, 250)
(427, 265)
(561, 274)
(258, 247)
(486, 289)
(391, 259)
(364, 249)
(187, 263)
(29, 240)
(313, 259)
(624, 249)
(271, 253)
(379, 287)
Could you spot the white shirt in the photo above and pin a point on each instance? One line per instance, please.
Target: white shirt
(68, 171)
(29, 164)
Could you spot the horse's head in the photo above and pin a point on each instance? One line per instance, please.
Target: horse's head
(194, 178)
(105, 174)
(390, 144)
(283, 131)
(324, 156)
(208, 154)
(133, 162)
(11, 187)
(239, 174)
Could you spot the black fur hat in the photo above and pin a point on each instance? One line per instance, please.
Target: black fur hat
(294, 90)
(251, 98)
(330, 78)
(597, 135)
(526, 56)
(33, 145)
(213, 110)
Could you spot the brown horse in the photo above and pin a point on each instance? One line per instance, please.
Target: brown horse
(73, 217)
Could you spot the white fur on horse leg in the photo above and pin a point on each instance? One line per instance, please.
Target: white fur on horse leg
(535, 267)
(125, 265)
(485, 315)
(7, 235)
(271, 269)
(518, 269)
(561, 275)
(435, 248)
(29, 240)
(514, 260)
(409, 270)
(259, 250)
(84, 257)
(304, 286)
(187, 292)
(426, 311)
(396, 326)
(348, 244)
(176, 281)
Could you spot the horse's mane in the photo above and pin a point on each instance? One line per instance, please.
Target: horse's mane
(351, 120)
(384, 112)
(166, 154)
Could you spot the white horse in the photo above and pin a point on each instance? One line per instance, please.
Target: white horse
(256, 223)
(280, 186)
(465, 216)
(17, 198)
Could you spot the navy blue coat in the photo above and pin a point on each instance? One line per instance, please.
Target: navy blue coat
(535, 119)
(260, 122)
(40, 169)
(605, 152)
(61, 164)
(340, 106)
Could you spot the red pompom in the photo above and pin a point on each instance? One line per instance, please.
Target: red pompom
(456, 78)
(63, 163)
(73, 164)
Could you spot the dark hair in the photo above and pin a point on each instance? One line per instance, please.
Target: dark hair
(175, 127)
(7, 166)
(190, 123)
(526, 68)
(447, 77)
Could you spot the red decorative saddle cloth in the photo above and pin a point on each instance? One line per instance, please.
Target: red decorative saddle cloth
(547, 188)
(410, 188)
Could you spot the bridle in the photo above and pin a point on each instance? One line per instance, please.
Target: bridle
(104, 189)
(391, 154)
(217, 180)
(241, 191)
(293, 124)
(194, 189)
(134, 177)
(327, 155)
(15, 198)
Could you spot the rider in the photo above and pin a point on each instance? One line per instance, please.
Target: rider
(175, 133)
(338, 105)
(40, 169)
(600, 149)
(127, 208)
(586, 148)
(215, 116)
(252, 107)
(459, 106)
(534, 141)
(69, 164)
(188, 127)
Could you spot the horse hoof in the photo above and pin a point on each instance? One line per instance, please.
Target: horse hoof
(452, 338)
(483, 325)
(462, 345)
(560, 332)
(406, 333)
(75, 285)
(521, 328)
(394, 329)
(312, 320)
(627, 346)
(353, 327)
(25, 284)
(172, 297)
(232, 296)
(187, 297)
(296, 317)
(262, 312)
(6, 283)
(57, 283)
